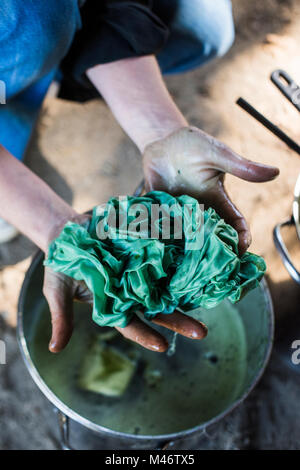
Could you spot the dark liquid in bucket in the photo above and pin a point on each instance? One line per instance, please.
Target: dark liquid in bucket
(198, 382)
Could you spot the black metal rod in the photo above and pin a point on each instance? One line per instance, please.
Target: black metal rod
(269, 125)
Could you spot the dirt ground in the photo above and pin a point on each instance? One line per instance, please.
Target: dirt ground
(80, 150)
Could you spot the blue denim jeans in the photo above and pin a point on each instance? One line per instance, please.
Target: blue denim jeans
(35, 35)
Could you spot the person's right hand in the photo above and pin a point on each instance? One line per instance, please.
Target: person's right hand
(191, 162)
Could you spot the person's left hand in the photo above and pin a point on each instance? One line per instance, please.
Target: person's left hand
(191, 162)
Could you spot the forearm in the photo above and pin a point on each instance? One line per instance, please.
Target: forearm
(29, 203)
(137, 95)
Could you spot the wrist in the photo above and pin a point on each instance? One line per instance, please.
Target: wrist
(158, 132)
(57, 226)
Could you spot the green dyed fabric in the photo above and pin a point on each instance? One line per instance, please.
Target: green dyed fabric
(137, 265)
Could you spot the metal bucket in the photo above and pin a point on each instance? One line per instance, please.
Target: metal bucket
(255, 313)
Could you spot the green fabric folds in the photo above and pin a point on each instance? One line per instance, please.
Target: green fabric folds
(154, 253)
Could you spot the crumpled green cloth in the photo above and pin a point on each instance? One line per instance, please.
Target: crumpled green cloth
(127, 272)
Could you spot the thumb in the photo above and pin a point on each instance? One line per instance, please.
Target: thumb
(247, 169)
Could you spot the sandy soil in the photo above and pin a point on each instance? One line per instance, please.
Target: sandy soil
(81, 152)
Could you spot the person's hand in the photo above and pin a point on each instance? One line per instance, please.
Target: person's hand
(191, 162)
(61, 290)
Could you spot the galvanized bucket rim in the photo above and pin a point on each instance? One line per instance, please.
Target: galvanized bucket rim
(117, 434)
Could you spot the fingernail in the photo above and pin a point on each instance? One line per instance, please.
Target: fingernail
(245, 242)
(205, 329)
(276, 173)
(52, 346)
(159, 348)
(248, 240)
(196, 334)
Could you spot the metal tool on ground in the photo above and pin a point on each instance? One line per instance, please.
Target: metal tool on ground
(269, 125)
(287, 86)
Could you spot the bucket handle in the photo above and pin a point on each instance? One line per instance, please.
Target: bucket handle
(282, 250)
